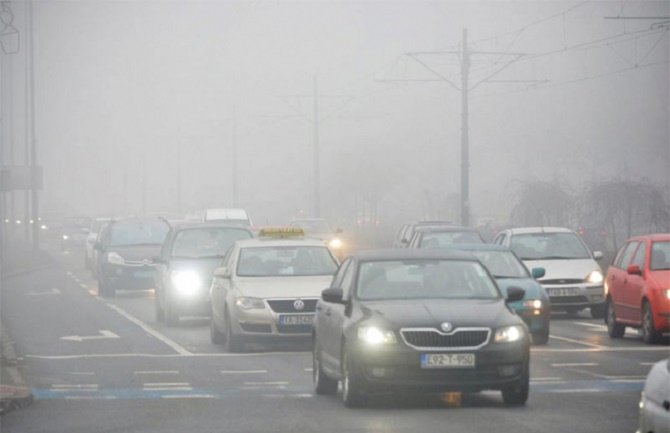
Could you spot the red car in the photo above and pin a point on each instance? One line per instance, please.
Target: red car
(638, 288)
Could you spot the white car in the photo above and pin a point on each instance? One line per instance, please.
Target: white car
(655, 400)
(267, 288)
(573, 278)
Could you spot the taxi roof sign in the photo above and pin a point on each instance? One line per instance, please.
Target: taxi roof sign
(281, 232)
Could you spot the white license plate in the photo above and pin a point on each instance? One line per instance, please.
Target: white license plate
(296, 319)
(563, 291)
(448, 360)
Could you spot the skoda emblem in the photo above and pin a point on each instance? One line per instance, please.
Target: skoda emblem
(446, 327)
(299, 304)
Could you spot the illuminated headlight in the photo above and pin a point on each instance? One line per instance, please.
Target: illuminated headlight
(43, 227)
(250, 303)
(595, 277)
(18, 221)
(509, 334)
(115, 259)
(186, 282)
(32, 221)
(6, 220)
(667, 293)
(66, 237)
(533, 303)
(375, 336)
(335, 243)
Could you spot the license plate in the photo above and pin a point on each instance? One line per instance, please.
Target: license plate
(448, 360)
(143, 274)
(563, 291)
(296, 319)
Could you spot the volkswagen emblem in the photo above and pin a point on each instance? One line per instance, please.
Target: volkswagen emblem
(299, 304)
(446, 327)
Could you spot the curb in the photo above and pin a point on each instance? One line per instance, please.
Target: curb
(14, 394)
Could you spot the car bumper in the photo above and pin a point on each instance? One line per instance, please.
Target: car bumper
(386, 369)
(581, 295)
(266, 324)
(130, 277)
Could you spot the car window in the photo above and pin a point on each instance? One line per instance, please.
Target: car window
(627, 255)
(337, 278)
(638, 259)
(285, 261)
(206, 242)
(347, 280)
(502, 264)
(138, 233)
(499, 239)
(660, 256)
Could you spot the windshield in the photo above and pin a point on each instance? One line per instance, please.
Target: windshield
(660, 256)
(282, 261)
(502, 264)
(138, 233)
(549, 246)
(445, 239)
(206, 242)
(314, 226)
(424, 279)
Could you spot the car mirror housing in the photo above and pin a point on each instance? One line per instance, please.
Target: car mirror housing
(634, 270)
(515, 294)
(333, 295)
(538, 273)
(598, 255)
(222, 272)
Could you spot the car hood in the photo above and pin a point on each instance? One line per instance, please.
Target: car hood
(283, 287)
(657, 385)
(661, 278)
(136, 253)
(430, 313)
(564, 268)
(532, 288)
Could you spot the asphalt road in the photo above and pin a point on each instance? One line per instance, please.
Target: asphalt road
(118, 370)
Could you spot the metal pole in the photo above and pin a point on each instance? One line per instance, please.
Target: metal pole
(465, 156)
(179, 174)
(234, 152)
(317, 174)
(33, 143)
(144, 184)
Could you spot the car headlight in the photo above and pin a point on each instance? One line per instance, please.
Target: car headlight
(335, 243)
(595, 277)
(115, 259)
(533, 303)
(250, 303)
(667, 293)
(65, 237)
(186, 282)
(376, 336)
(43, 227)
(509, 334)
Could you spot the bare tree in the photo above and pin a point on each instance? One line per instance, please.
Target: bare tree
(542, 203)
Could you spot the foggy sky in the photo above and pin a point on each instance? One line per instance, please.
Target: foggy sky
(126, 87)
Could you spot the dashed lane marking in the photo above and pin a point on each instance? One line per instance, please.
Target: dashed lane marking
(152, 355)
(244, 371)
(602, 349)
(156, 372)
(575, 364)
(175, 346)
(571, 340)
(82, 373)
(265, 383)
(174, 396)
(51, 292)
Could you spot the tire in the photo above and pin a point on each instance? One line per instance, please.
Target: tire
(517, 393)
(649, 333)
(541, 338)
(614, 329)
(233, 342)
(105, 288)
(171, 314)
(323, 385)
(160, 313)
(215, 335)
(353, 394)
(597, 311)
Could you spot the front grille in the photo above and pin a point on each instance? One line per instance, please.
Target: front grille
(568, 300)
(256, 327)
(431, 338)
(294, 329)
(287, 305)
(562, 281)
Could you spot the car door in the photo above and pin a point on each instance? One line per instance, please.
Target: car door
(633, 285)
(162, 271)
(342, 312)
(219, 286)
(327, 332)
(617, 280)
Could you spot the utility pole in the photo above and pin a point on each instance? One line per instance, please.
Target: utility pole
(236, 198)
(317, 170)
(179, 175)
(465, 54)
(33, 142)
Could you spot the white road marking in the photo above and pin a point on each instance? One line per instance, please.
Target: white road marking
(545, 379)
(152, 355)
(309, 370)
(169, 388)
(83, 286)
(82, 373)
(176, 347)
(604, 349)
(169, 396)
(244, 371)
(51, 292)
(151, 384)
(575, 364)
(647, 364)
(265, 383)
(577, 390)
(90, 397)
(156, 372)
(591, 325)
(570, 340)
(74, 385)
(104, 334)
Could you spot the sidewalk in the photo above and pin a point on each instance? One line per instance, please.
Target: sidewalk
(14, 393)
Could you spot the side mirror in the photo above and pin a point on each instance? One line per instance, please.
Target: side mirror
(333, 295)
(222, 272)
(538, 273)
(515, 294)
(598, 255)
(634, 270)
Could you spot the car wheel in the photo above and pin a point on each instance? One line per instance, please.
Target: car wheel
(597, 311)
(649, 333)
(233, 342)
(322, 384)
(541, 337)
(214, 334)
(171, 314)
(352, 385)
(614, 329)
(160, 313)
(516, 394)
(105, 288)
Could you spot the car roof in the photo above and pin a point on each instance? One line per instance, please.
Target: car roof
(280, 242)
(411, 253)
(654, 237)
(444, 228)
(185, 225)
(529, 230)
